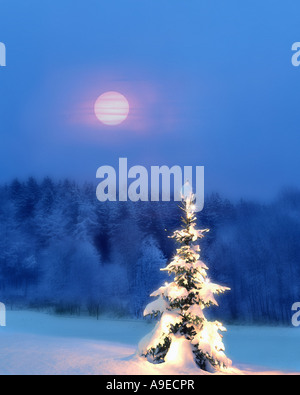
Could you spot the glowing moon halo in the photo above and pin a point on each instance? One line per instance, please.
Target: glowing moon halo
(112, 108)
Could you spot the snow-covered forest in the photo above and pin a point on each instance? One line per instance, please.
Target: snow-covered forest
(61, 248)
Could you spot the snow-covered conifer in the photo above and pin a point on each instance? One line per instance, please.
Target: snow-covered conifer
(181, 304)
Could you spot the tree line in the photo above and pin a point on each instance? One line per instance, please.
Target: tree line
(60, 248)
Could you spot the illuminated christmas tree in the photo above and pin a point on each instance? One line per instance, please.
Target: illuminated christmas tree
(183, 332)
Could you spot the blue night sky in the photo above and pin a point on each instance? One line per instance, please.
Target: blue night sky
(209, 83)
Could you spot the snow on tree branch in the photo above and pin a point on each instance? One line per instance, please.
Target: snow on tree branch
(181, 304)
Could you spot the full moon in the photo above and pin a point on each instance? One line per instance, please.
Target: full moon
(112, 108)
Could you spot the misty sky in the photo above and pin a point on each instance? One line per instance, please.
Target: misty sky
(209, 83)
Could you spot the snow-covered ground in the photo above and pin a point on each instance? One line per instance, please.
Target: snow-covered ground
(39, 343)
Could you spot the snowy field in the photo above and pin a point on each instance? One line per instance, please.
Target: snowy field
(39, 343)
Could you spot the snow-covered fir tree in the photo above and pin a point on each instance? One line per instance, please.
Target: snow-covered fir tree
(183, 333)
